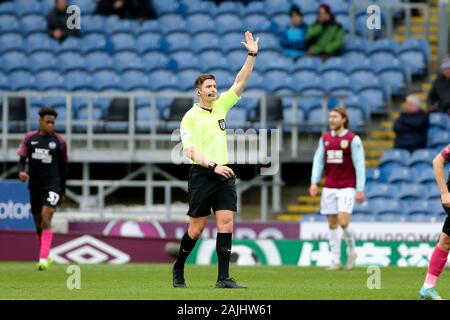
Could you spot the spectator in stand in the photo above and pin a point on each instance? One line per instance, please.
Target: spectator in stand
(325, 37)
(439, 95)
(412, 126)
(293, 38)
(57, 22)
(126, 9)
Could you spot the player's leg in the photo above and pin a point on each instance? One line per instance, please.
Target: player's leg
(329, 207)
(36, 208)
(225, 223)
(346, 202)
(437, 263)
(50, 201)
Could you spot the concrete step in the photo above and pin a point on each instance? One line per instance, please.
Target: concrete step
(289, 217)
(388, 125)
(382, 135)
(418, 28)
(378, 144)
(302, 209)
(372, 163)
(308, 200)
(370, 154)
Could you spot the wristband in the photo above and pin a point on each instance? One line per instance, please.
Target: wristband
(252, 54)
(212, 166)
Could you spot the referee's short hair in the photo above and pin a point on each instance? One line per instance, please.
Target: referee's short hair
(341, 110)
(47, 111)
(201, 78)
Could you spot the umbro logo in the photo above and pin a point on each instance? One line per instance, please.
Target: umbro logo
(88, 250)
(34, 142)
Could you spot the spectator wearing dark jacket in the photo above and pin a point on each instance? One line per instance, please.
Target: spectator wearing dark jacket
(326, 36)
(412, 126)
(57, 22)
(293, 38)
(439, 95)
(126, 9)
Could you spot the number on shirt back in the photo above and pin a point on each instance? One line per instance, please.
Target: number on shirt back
(53, 198)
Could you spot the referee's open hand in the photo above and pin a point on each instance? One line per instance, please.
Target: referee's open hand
(224, 171)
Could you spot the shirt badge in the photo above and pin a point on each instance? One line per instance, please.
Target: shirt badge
(222, 124)
(344, 144)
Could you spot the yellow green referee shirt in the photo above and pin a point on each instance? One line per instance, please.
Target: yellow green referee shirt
(206, 131)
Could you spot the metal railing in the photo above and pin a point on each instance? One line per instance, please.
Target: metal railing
(82, 136)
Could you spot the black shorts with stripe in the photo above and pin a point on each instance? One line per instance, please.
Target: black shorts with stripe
(210, 192)
(40, 198)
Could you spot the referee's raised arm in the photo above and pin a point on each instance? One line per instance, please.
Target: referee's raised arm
(243, 75)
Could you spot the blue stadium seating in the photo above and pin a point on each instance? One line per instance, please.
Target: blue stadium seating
(40, 42)
(440, 120)
(231, 41)
(229, 23)
(205, 41)
(275, 7)
(163, 80)
(93, 42)
(135, 80)
(22, 80)
(213, 60)
(96, 61)
(14, 61)
(233, 7)
(71, 61)
(50, 80)
(9, 24)
(185, 60)
(157, 60)
(200, 23)
(179, 41)
(237, 118)
(396, 155)
(31, 24)
(172, 23)
(11, 42)
(78, 81)
(42, 61)
(71, 44)
(106, 80)
(123, 42)
(255, 8)
(126, 61)
(377, 190)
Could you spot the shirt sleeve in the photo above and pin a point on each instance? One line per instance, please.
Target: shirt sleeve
(186, 131)
(446, 153)
(23, 148)
(227, 100)
(358, 159)
(318, 163)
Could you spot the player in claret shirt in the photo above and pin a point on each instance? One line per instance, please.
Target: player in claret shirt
(440, 253)
(45, 152)
(341, 153)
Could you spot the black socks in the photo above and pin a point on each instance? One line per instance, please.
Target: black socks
(223, 248)
(186, 246)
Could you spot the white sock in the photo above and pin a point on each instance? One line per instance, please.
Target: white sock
(42, 260)
(335, 246)
(349, 238)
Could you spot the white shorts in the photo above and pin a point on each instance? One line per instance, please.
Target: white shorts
(337, 200)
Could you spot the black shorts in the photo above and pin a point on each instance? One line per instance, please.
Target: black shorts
(210, 191)
(40, 198)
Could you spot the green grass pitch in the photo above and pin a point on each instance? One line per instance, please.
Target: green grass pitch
(153, 281)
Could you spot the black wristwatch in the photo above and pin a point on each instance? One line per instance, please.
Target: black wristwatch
(212, 165)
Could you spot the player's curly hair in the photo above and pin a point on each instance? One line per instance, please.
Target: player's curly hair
(341, 110)
(47, 111)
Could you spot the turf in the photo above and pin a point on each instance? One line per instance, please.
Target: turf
(153, 281)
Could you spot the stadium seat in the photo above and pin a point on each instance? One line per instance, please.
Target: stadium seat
(205, 41)
(42, 61)
(7, 8)
(205, 7)
(232, 7)
(213, 60)
(148, 26)
(384, 45)
(200, 23)
(314, 86)
(237, 118)
(274, 111)
(257, 23)
(289, 119)
(229, 23)
(402, 175)
(401, 156)
(32, 24)
(14, 61)
(277, 80)
(377, 190)
(96, 61)
(417, 207)
(416, 60)
(272, 61)
(176, 112)
(117, 115)
(408, 191)
(276, 7)
(4, 83)
(308, 63)
(134, 80)
(185, 60)
(231, 41)
(235, 60)
(22, 80)
(163, 80)
(439, 140)
(17, 114)
(166, 7)
(86, 6)
(123, 42)
(156, 60)
(126, 61)
(440, 120)
(93, 42)
(224, 79)
(11, 42)
(186, 79)
(107, 80)
(71, 44)
(146, 118)
(94, 24)
(78, 81)
(356, 44)
(372, 91)
(9, 24)
(271, 42)
(373, 175)
(71, 62)
(151, 41)
(49, 80)
(385, 207)
(40, 42)
(334, 64)
(281, 21)
(255, 8)
(172, 23)
(422, 156)
(179, 41)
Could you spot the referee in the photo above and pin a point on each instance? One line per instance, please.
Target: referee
(211, 182)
